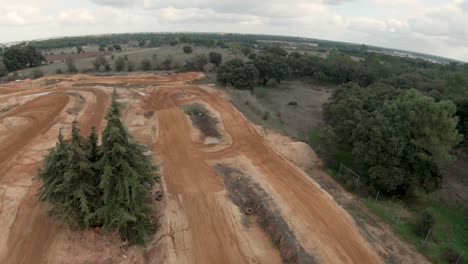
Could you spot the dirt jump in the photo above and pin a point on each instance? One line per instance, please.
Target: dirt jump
(199, 220)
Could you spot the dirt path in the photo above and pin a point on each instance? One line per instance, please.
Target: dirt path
(199, 222)
(31, 130)
(321, 226)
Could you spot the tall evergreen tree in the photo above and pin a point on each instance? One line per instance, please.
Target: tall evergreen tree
(51, 174)
(81, 180)
(92, 146)
(127, 176)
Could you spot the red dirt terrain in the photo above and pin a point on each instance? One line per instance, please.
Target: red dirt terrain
(198, 221)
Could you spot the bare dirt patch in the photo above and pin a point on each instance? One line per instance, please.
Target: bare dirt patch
(305, 112)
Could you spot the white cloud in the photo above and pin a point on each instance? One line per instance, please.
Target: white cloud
(407, 24)
(76, 16)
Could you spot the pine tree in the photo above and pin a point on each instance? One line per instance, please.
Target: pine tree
(81, 182)
(69, 183)
(127, 177)
(51, 174)
(92, 146)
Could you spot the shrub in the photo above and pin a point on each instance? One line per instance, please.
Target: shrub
(37, 73)
(187, 49)
(146, 65)
(59, 71)
(424, 223)
(167, 63)
(196, 63)
(119, 64)
(451, 255)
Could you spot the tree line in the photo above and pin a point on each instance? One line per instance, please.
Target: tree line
(108, 185)
(398, 117)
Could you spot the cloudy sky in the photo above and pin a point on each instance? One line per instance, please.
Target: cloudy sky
(432, 26)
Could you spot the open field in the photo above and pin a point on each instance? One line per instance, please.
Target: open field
(135, 55)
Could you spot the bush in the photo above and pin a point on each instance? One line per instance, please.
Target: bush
(99, 61)
(215, 58)
(424, 223)
(59, 71)
(119, 64)
(167, 63)
(37, 73)
(71, 67)
(146, 65)
(187, 49)
(451, 256)
(130, 66)
(252, 56)
(196, 63)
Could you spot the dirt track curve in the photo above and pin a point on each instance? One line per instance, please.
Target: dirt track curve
(198, 222)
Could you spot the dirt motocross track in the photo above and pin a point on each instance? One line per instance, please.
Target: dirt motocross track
(198, 221)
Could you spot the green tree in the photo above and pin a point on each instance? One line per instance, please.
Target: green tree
(3, 69)
(238, 74)
(21, 56)
(246, 51)
(79, 49)
(187, 49)
(275, 50)
(126, 181)
(99, 61)
(120, 64)
(402, 138)
(92, 146)
(271, 66)
(51, 174)
(71, 67)
(70, 185)
(117, 47)
(215, 58)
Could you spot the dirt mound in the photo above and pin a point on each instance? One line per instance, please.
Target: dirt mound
(297, 152)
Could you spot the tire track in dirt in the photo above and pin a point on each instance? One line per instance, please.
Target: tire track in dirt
(32, 223)
(321, 226)
(41, 113)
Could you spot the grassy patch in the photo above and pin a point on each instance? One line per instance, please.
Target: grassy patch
(261, 92)
(203, 120)
(195, 109)
(449, 231)
(254, 110)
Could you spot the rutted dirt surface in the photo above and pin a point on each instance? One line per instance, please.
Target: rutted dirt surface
(198, 222)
